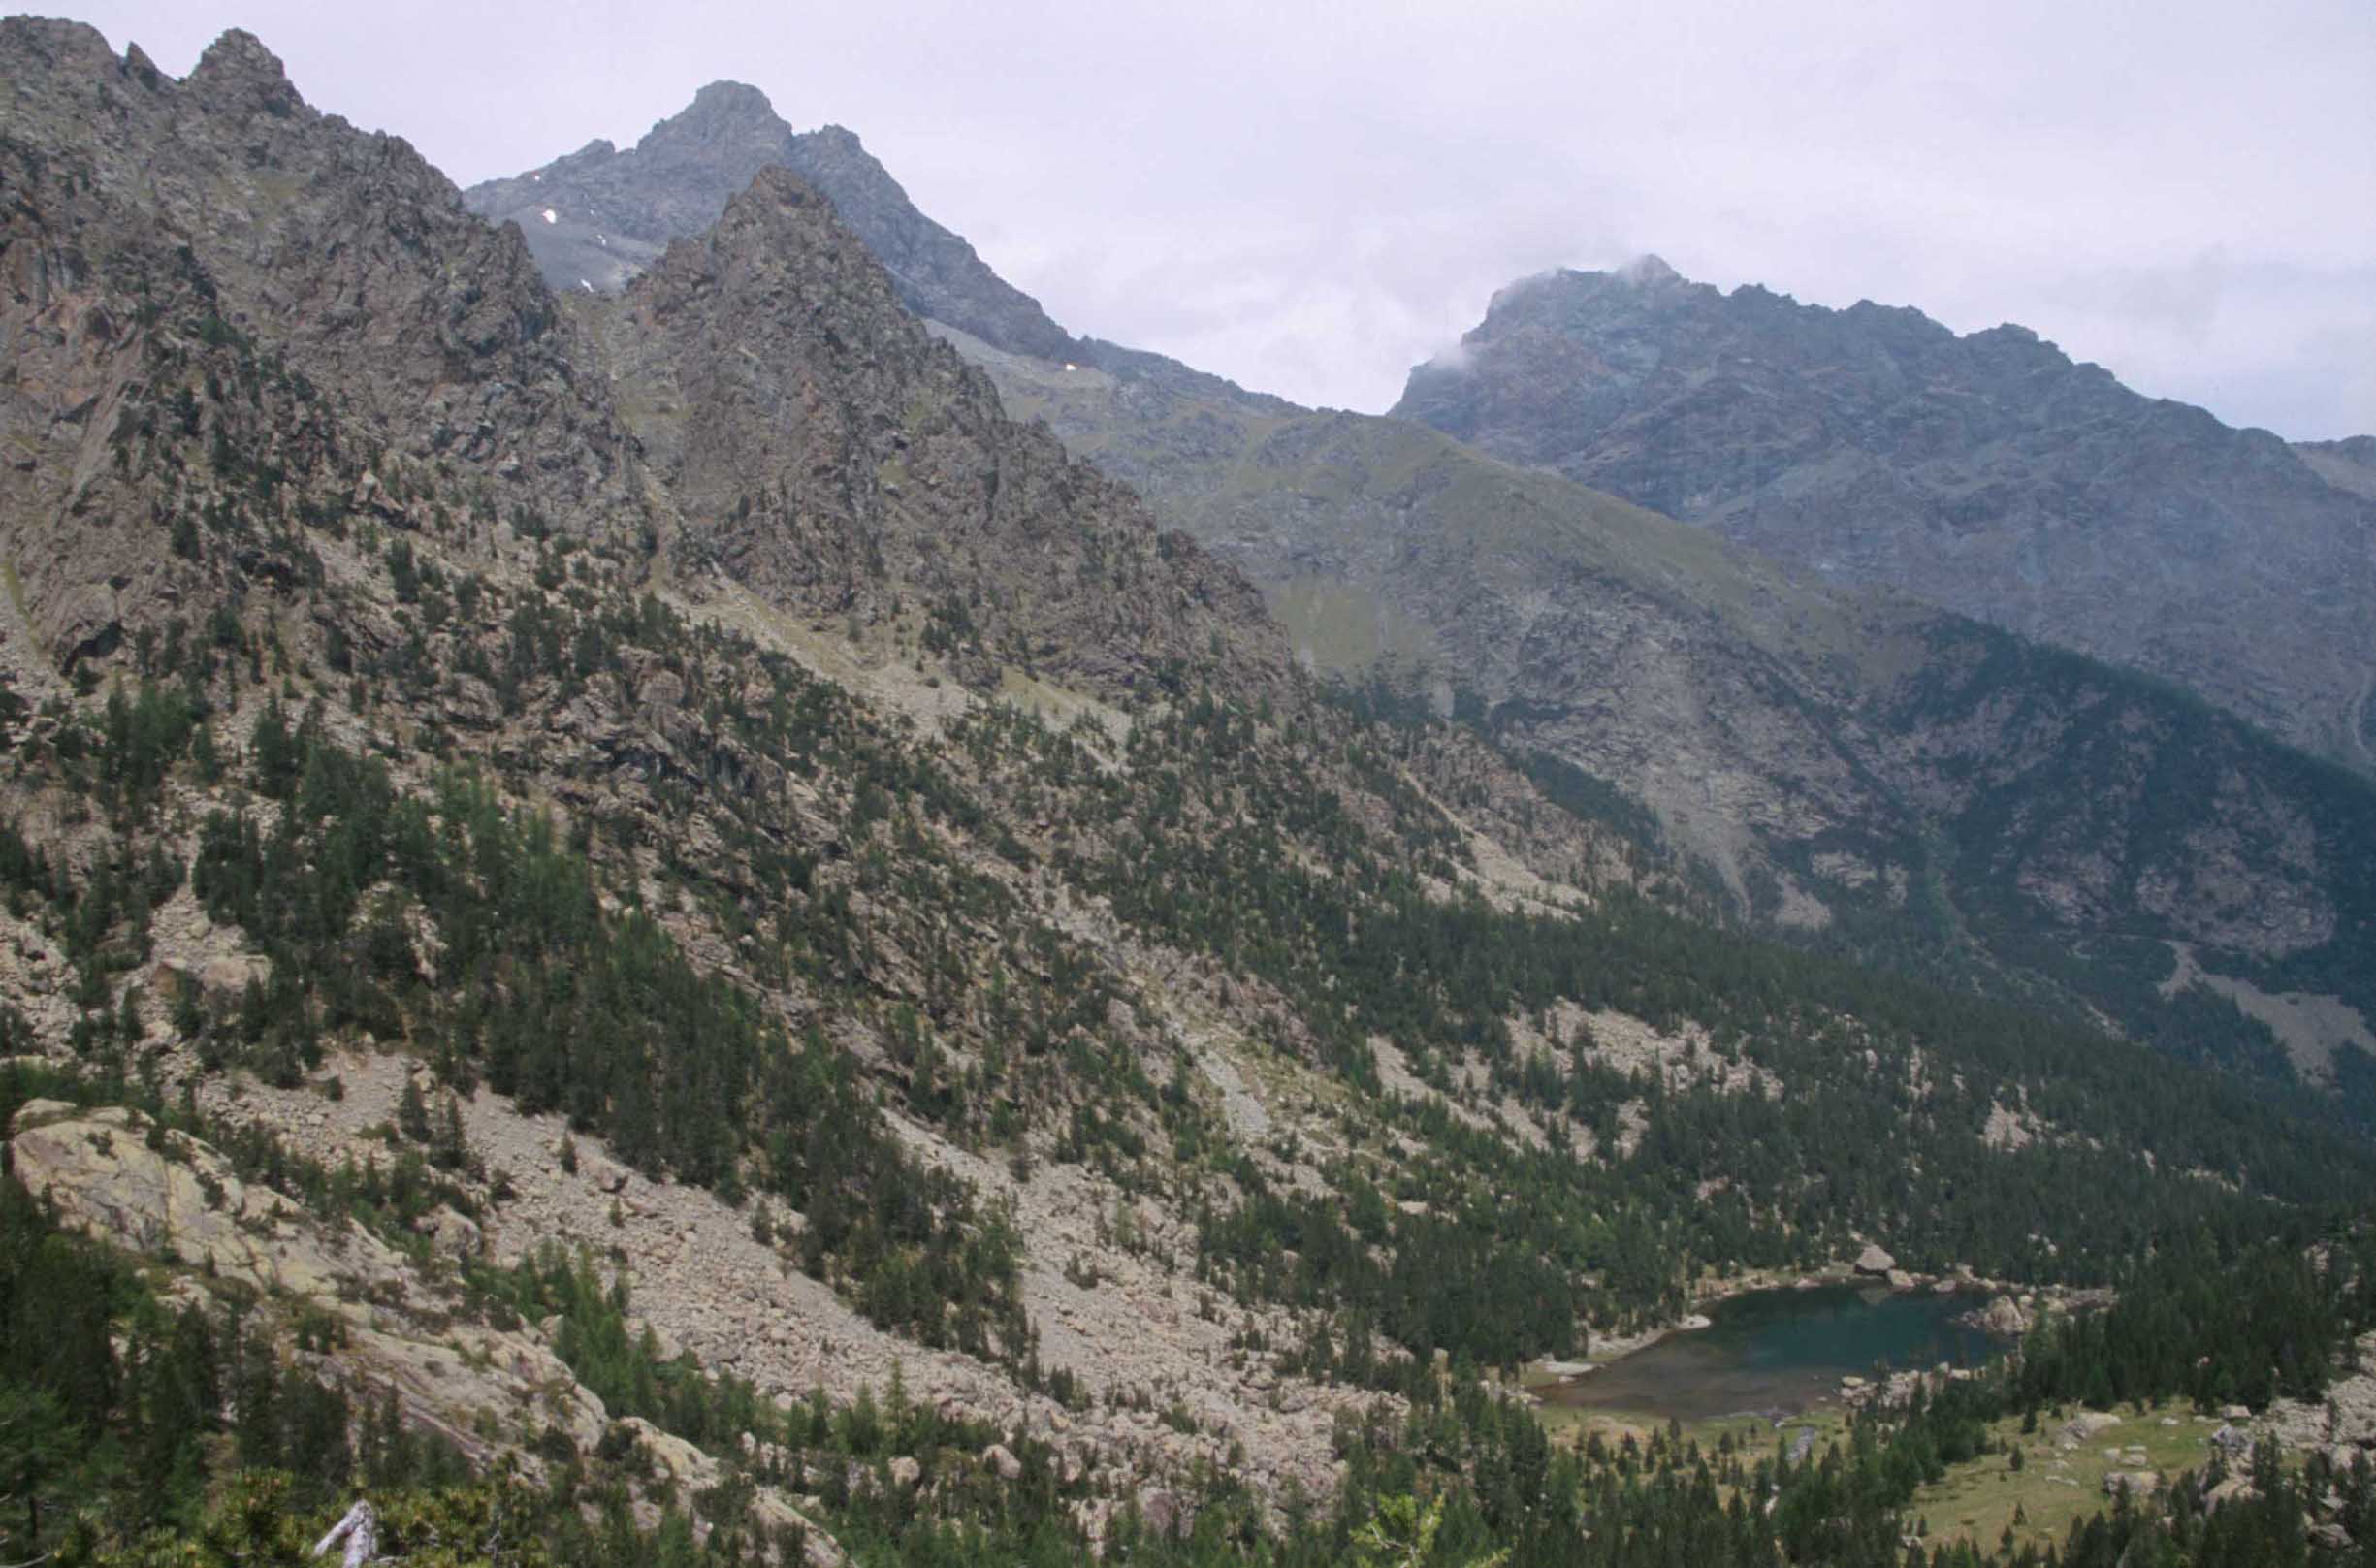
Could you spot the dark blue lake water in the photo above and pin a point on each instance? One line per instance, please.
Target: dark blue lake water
(1776, 1353)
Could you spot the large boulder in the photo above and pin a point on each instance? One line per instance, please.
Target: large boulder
(685, 1463)
(2003, 1315)
(2234, 1490)
(2087, 1423)
(1875, 1261)
(772, 1512)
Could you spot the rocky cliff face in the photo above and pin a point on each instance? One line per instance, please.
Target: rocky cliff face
(596, 218)
(826, 451)
(1986, 473)
(209, 343)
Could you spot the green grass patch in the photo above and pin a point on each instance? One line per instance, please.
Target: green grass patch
(2061, 1476)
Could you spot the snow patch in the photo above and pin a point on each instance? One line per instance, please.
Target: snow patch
(551, 216)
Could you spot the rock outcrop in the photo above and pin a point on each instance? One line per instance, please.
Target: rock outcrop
(116, 1175)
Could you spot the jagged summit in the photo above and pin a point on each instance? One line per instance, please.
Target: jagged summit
(599, 216)
(237, 70)
(238, 54)
(725, 123)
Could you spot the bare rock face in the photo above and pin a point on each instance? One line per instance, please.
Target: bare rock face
(2346, 1417)
(179, 1200)
(1986, 473)
(825, 450)
(225, 310)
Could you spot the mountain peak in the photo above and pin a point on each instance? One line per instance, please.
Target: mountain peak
(724, 105)
(239, 65)
(600, 222)
(729, 96)
(724, 117)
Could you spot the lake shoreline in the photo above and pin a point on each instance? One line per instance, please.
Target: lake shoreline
(1793, 1341)
(1607, 1350)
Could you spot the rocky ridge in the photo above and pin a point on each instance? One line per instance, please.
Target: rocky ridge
(1986, 473)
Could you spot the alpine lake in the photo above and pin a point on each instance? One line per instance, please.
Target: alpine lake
(1773, 1353)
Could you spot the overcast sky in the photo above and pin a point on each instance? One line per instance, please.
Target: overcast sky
(1311, 198)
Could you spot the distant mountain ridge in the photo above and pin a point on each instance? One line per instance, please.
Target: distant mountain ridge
(1987, 473)
(599, 216)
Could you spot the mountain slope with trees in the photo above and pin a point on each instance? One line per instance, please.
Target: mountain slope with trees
(643, 910)
(1898, 784)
